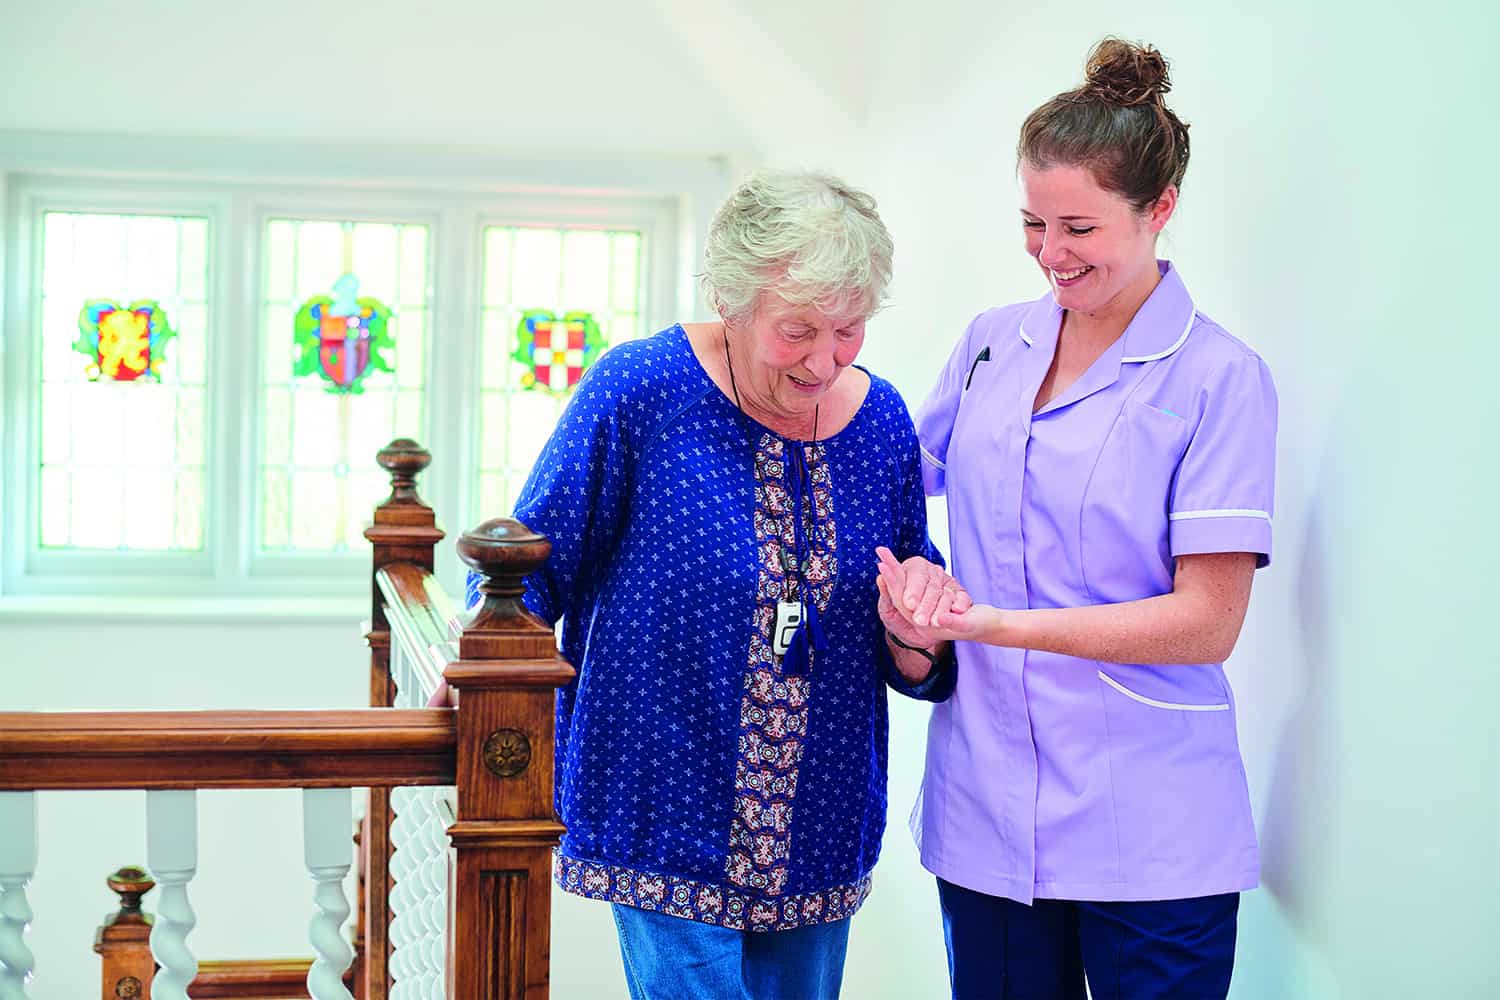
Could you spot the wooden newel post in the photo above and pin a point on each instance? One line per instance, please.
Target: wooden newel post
(124, 939)
(405, 530)
(499, 919)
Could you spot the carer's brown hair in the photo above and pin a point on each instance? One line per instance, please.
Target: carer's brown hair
(1116, 124)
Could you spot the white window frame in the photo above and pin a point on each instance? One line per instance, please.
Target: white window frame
(239, 187)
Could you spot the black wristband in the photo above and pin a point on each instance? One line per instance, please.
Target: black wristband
(927, 654)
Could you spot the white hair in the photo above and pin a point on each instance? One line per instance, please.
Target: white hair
(810, 238)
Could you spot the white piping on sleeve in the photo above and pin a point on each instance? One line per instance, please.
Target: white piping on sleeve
(931, 458)
(1193, 515)
(1159, 704)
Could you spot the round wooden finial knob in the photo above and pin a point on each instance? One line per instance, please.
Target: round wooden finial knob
(130, 884)
(505, 552)
(403, 458)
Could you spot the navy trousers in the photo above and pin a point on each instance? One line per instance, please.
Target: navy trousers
(1173, 949)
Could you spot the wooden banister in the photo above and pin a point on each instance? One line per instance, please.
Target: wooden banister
(414, 589)
(494, 744)
(273, 749)
(421, 617)
(122, 942)
(405, 532)
(500, 902)
(255, 979)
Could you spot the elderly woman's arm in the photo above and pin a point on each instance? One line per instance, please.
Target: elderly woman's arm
(924, 669)
(577, 493)
(918, 666)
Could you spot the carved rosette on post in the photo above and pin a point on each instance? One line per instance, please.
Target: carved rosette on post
(507, 753)
(505, 681)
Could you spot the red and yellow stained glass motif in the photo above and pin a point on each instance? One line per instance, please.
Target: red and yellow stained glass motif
(556, 352)
(123, 344)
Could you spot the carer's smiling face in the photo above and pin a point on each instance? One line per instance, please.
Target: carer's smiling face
(1096, 250)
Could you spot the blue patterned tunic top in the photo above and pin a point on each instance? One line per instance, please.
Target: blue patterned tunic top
(699, 774)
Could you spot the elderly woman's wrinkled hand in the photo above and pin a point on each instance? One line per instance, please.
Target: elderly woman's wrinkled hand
(925, 595)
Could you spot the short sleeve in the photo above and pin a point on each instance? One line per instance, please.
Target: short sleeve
(938, 412)
(1222, 496)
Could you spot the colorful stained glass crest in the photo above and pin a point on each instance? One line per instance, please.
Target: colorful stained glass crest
(556, 352)
(343, 337)
(124, 344)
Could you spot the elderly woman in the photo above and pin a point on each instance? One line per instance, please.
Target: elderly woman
(715, 495)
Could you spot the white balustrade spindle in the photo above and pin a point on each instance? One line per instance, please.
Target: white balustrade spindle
(407, 693)
(419, 896)
(172, 857)
(18, 842)
(328, 848)
(419, 835)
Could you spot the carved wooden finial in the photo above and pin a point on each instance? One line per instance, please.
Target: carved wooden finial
(403, 458)
(505, 552)
(130, 884)
(123, 941)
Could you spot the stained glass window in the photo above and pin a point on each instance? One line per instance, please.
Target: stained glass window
(550, 275)
(361, 290)
(124, 324)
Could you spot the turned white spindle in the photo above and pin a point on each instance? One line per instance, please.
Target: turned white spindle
(329, 852)
(172, 857)
(419, 894)
(435, 876)
(406, 917)
(400, 892)
(17, 866)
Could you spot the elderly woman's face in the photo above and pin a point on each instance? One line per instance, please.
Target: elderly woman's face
(797, 353)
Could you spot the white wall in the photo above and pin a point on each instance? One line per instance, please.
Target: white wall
(660, 76)
(1331, 217)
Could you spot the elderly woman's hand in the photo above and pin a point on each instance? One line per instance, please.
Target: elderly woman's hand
(921, 590)
(896, 624)
(928, 606)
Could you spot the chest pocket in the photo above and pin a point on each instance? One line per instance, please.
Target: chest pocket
(988, 432)
(1124, 517)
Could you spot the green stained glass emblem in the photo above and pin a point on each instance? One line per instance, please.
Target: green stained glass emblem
(343, 337)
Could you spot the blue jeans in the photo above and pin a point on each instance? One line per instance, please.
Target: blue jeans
(673, 958)
(1170, 949)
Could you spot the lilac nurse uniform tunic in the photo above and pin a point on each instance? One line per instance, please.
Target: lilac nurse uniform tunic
(1052, 776)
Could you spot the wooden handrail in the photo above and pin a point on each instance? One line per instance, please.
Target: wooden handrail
(421, 618)
(415, 588)
(494, 744)
(252, 979)
(271, 749)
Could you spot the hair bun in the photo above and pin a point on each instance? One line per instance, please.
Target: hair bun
(1125, 73)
